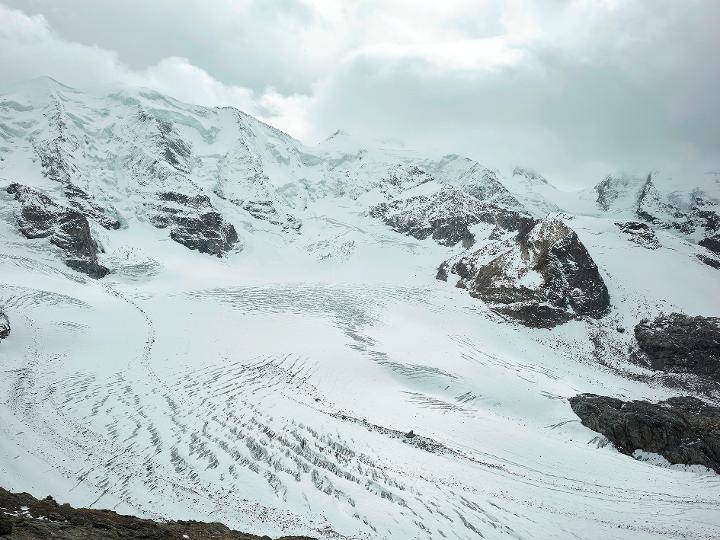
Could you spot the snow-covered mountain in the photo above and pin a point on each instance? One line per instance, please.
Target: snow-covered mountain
(205, 318)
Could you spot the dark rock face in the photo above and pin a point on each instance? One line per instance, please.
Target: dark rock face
(639, 233)
(67, 228)
(4, 326)
(27, 518)
(86, 204)
(442, 272)
(710, 261)
(682, 429)
(712, 243)
(194, 223)
(446, 216)
(266, 211)
(681, 344)
(543, 277)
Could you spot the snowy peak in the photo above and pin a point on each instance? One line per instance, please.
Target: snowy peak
(621, 192)
(530, 176)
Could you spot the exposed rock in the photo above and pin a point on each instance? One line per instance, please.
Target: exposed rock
(267, 211)
(712, 243)
(639, 233)
(681, 344)
(31, 519)
(4, 326)
(88, 206)
(710, 261)
(446, 215)
(542, 277)
(682, 429)
(401, 177)
(67, 228)
(194, 223)
(442, 271)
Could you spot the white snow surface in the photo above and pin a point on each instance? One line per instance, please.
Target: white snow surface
(271, 389)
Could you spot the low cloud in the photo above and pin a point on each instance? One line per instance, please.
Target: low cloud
(574, 88)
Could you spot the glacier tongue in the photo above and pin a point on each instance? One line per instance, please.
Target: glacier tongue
(270, 333)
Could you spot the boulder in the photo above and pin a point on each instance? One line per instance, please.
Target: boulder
(684, 430)
(542, 277)
(680, 343)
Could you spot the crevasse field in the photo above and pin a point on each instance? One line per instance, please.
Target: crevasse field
(272, 389)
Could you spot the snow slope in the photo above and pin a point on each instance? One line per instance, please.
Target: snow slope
(272, 388)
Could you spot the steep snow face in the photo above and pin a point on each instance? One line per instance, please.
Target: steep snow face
(273, 387)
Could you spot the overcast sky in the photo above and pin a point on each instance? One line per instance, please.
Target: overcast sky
(572, 88)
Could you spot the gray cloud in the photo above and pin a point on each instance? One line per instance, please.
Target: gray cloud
(574, 88)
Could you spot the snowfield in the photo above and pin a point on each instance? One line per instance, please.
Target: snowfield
(274, 388)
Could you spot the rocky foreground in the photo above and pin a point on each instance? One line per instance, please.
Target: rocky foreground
(23, 517)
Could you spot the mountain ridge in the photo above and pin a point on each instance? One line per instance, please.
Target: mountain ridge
(268, 345)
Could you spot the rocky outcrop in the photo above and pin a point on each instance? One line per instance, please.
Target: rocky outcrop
(88, 206)
(67, 228)
(194, 223)
(684, 430)
(4, 326)
(712, 262)
(267, 211)
(542, 277)
(679, 343)
(639, 233)
(24, 517)
(446, 216)
(712, 243)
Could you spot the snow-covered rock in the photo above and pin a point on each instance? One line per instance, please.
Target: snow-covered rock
(41, 217)
(542, 276)
(446, 214)
(193, 222)
(639, 233)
